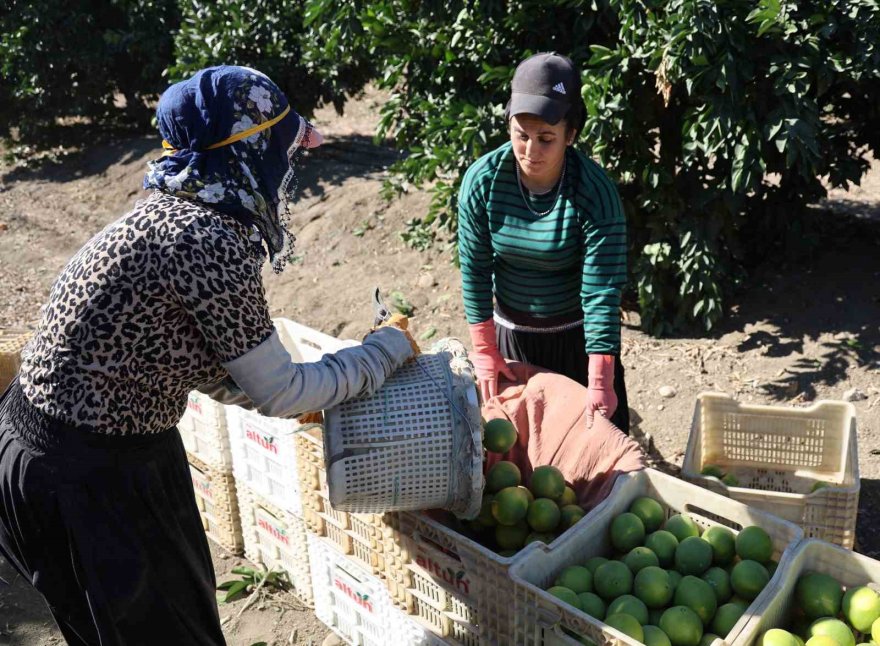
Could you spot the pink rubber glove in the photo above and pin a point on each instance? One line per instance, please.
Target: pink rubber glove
(488, 362)
(600, 386)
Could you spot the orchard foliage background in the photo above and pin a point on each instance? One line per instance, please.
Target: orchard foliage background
(721, 120)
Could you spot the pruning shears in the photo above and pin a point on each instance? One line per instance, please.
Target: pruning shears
(381, 313)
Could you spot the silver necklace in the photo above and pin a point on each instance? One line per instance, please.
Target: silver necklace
(523, 193)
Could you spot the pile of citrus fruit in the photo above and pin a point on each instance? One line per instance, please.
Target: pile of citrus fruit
(668, 583)
(513, 515)
(825, 615)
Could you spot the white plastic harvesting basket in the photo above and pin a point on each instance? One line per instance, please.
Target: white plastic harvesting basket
(850, 569)
(414, 444)
(263, 448)
(275, 539)
(355, 604)
(541, 619)
(203, 431)
(776, 454)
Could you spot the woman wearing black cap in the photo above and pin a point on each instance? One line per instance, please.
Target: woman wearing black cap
(542, 230)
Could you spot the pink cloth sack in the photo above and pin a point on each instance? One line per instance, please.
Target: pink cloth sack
(549, 413)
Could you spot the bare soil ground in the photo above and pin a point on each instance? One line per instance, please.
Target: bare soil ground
(797, 334)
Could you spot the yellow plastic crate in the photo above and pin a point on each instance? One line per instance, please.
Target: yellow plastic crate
(218, 504)
(777, 454)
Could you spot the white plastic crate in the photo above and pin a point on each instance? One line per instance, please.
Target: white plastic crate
(264, 448)
(455, 586)
(355, 604)
(850, 569)
(276, 539)
(776, 454)
(218, 504)
(203, 431)
(542, 619)
(264, 456)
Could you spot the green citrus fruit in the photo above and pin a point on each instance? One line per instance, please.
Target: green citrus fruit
(754, 544)
(748, 579)
(681, 527)
(723, 542)
(875, 631)
(719, 579)
(663, 544)
(649, 511)
(707, 639)
(566, 595)
(822, 640)
(502, 475)
(594, 562)
(861, 607)
(547, 482)
(630, 605)
(697, 595)
(730, 480)
(543, 515)
(568, 497)
(693, 556)
(626, 624)
(712, 470)
(834, 628)
(640, 557)
(592, 604)
(726, 617)
(682, 625)
(653, 587)
(777, 637)
(528, 493)
(575, 577)
(655, 637)
(569, 516)
(819, 595)
(499, 435)
(510, 506)
(627, 532)
(612, 579)
(511, 537)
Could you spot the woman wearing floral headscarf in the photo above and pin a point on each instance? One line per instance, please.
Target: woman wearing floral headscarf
(96, 505)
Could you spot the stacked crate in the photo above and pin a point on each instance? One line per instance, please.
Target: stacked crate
(274, 519)
(203, 431)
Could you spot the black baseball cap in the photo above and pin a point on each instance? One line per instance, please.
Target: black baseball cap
(546, 85)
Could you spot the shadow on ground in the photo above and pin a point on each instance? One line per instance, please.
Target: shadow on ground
(833, 297)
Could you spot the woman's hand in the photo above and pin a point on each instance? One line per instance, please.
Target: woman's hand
(488, 362)
(601, 397)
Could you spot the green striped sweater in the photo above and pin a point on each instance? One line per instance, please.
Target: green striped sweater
(572, 258)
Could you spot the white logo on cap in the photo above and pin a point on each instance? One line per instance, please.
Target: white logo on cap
(559, 87)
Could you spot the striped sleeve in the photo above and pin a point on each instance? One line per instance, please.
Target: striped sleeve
(475, 244)
(604, 269)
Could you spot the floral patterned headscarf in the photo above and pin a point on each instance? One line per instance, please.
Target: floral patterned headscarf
(232, 143)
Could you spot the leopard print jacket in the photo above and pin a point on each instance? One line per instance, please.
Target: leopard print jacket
(144, 313)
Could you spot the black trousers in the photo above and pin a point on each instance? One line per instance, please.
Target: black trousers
(107, 529)
(561, 352)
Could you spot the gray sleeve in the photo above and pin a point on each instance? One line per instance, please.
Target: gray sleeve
(227, 392)
(280, 388)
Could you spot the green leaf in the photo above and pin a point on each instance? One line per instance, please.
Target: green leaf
(236, 591)
(427, 334)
